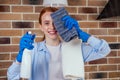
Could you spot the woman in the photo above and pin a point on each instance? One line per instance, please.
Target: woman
(46, 57)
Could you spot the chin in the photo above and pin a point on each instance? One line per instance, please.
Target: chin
(54, 37)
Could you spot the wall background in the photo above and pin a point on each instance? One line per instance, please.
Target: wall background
(19, 16)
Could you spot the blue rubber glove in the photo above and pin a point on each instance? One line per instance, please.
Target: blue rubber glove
(70, 23)
(26, 42)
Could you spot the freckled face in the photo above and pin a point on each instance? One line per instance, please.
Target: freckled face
(47, 26)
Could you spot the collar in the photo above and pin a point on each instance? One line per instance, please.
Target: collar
(42, 47)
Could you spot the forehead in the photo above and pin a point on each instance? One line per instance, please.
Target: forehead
(46, 16)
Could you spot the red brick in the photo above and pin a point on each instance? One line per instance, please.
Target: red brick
(87, 10)
(79, 17)
(4, 56)
(119, 53)
(4, 78)
(37, 25)
(109, 38)
(5, 24)
(114, 74)
(4, 8)
(4, 40)
(77, 2)
(114, 60)
(90, 68)
(5, 64)
(97, 2)
(99, 61)
(9, 48)
(108, 24)
(118, 24)
(10, 32)
(89, 24)
(118, 67)
(15, 40)
(99, 75)
(22, 9)
(3, 73)
(107, 67)
(33, 2)
(10, 1)
(10, 16)
(118, 38)
(114, 31)
(38, 9)
(22, 24)
(114, 45)
(71, 9)
(112, 54)
(32, 17)
(98, 31)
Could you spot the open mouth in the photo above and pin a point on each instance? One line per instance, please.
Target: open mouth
(52, 32)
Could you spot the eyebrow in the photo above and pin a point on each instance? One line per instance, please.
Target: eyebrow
(46, 21)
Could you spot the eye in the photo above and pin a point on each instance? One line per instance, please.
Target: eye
(46, 23)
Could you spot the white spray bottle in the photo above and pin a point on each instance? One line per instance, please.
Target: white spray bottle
(25, 71)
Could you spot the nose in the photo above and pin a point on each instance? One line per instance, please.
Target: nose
(52, 26)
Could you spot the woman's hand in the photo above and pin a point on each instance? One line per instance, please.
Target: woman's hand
(26, 42)
(70, 23)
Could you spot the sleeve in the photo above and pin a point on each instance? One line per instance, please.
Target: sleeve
(13, 72)
(95, 49)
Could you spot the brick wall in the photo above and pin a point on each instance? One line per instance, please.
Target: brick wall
(19, 16)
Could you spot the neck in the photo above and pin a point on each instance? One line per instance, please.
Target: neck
(52, 42)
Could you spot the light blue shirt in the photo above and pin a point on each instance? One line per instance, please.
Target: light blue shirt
(92, 50)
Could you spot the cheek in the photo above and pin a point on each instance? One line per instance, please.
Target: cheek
(43, 28)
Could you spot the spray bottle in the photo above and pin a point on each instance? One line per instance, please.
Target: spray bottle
(25, 71)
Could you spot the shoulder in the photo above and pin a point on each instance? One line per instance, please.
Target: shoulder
(38, 47)
(39, 44)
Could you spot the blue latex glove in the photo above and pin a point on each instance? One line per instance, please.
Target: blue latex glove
(26, 42)
(70, 23)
